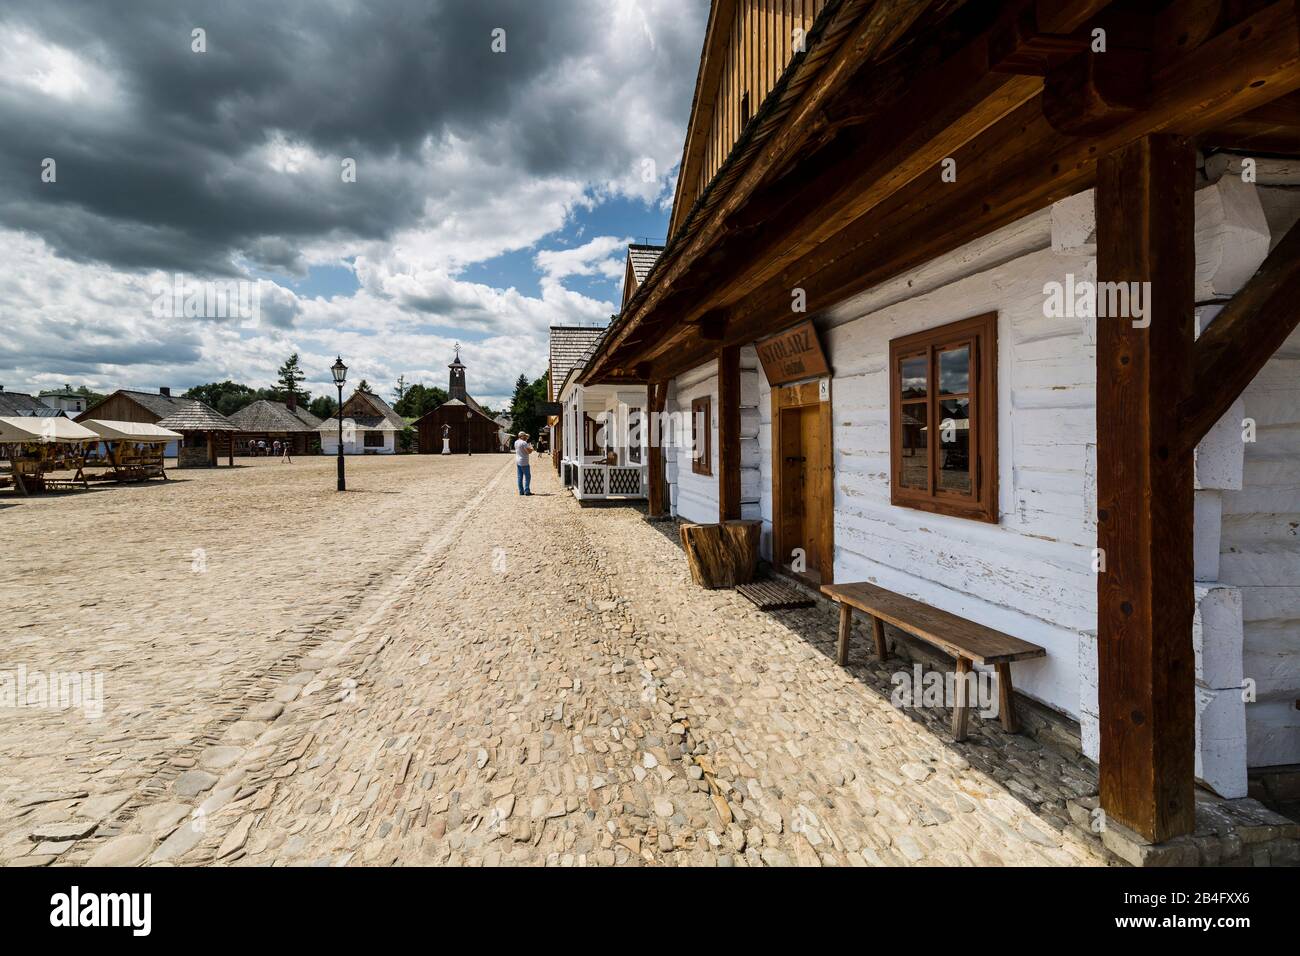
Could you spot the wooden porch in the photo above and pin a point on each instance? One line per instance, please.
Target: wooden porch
(838, 184)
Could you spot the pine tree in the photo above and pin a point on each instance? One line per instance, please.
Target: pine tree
(291, 375)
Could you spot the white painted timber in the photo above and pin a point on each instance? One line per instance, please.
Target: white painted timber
(1217, 636)
(1221, 741)
(694, 497)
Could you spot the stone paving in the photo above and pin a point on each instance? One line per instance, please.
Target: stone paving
(541, 684)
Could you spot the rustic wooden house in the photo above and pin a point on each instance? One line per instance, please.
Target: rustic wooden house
(569, 345)
(285, 422)
(370, 427)
(211, 437)
(466, 424)
(206, 435)
(974, 304)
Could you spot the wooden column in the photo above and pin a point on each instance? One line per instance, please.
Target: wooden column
(658, 395)
(729, 433)
(1145, 598)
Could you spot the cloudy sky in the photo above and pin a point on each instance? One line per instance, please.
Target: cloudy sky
(493, 191)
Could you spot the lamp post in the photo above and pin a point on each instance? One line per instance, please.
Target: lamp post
(469, 417)
(340, 376)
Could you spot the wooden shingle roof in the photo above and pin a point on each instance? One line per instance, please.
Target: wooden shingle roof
(194, 416)
(268, 416)
(570, 344)
(642, 260)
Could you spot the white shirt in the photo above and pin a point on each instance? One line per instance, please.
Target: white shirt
(522, 448)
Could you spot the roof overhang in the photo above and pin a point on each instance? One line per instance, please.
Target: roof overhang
(838, 188)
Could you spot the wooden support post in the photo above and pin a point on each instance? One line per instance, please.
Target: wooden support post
(846, 628)
(1006, 705)
(961, 709)
(878, 633)
(655, 493)
(1145, 599)
(729, 434)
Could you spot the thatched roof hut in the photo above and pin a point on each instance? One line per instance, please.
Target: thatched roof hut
(201, 426)
(269, 421)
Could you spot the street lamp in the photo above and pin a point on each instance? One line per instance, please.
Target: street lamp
(340, 376)
(469, 417)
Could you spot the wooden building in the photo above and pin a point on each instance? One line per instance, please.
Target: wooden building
(370, 427)
(206, 435)
(569, 346)
(285, 422)
(465, 423)
(975, 302)
(211, 437)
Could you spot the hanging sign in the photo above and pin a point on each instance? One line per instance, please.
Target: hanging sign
(793, 355)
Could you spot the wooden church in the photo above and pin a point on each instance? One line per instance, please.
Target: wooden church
(466, 425)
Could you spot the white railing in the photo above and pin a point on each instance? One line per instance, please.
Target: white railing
(592, 481)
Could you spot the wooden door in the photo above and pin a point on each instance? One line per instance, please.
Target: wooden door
(803, 478)
(793, 480)
(810, 436)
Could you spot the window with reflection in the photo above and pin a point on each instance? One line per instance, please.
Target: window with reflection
(943, 419)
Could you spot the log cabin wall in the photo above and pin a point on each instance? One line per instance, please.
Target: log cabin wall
(750, 44)
(1031, 573)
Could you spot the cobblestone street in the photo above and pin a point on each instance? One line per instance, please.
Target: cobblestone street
(457, 675)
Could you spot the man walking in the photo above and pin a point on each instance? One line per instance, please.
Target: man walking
(522, 468)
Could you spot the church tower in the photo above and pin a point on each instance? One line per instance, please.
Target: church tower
(456, 381)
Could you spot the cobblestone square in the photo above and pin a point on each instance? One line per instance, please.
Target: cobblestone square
(431, 669)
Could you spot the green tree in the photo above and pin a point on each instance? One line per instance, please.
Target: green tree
(226, 397)
(400, 389)
(419, 400)
(365, 387)
(323, 407)
(291, 376)
(525, 413)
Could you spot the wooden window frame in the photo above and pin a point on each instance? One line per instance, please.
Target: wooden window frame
(634, 455)
(373, 439)
(702, 411)
(980, 333)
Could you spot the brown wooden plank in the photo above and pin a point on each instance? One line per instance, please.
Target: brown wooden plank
(955, 635)
(1242, 338)
(878, 634)
(655, 458)
(1144, 491)
(1006, 705)
(729, 434)
(961, 712)
(846, 628)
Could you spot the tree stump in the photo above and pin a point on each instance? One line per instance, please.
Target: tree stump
(722, 555)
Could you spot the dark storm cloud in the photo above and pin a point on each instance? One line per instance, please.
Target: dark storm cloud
(162, 170)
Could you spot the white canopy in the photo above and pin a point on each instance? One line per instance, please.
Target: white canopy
(131, 431)
(46, 430)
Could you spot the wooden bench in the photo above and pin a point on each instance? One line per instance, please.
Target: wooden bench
(968, 642)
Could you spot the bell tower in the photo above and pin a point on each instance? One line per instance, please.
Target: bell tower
(456, 380)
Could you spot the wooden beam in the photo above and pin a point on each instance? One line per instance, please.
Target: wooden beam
(1145, 600)
(1016, 167)
(655, 493)
(1242, 338)
(729, 433)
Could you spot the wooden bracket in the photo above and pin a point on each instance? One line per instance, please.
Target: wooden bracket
(1241, 339)
(1094, 92)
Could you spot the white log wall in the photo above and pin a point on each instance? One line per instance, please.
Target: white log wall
(1031, 574)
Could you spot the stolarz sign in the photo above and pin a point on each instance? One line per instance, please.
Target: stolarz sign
(793, 355)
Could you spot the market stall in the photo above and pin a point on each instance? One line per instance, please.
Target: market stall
(44, 454)
(132, 451)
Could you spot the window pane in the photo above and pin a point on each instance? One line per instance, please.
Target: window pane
(954, 371)
(913, 376)
(954, 446)
(914, 468)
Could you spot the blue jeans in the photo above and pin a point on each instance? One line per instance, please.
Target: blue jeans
(525, 474)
